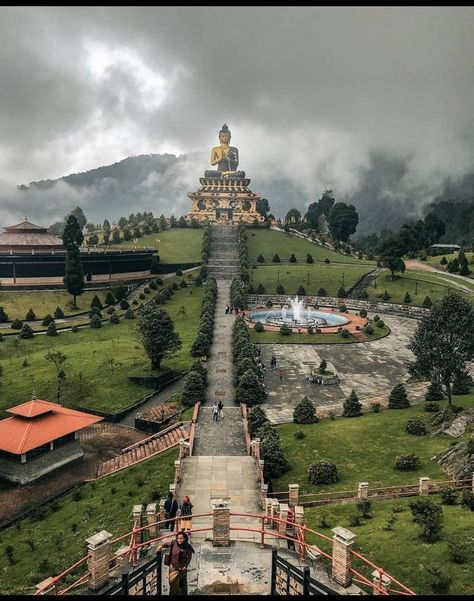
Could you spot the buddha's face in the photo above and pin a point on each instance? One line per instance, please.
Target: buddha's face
(224, 137)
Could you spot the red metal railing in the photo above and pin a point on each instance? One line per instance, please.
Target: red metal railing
(299, 539)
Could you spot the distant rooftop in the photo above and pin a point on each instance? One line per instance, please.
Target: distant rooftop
(27, 235)
(445, 246)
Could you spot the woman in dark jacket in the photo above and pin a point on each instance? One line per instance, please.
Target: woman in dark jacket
(181, 553)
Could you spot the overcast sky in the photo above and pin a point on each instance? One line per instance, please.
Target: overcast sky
(306, 91)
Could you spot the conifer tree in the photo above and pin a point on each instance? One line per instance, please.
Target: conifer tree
(352, 407)
(398, 398)
(73, 272)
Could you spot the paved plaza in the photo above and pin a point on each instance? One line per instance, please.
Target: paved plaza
(372, 369)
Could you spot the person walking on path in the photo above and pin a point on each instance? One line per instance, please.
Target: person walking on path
(171, 509)
(273, 363)
(186, 514)
(215, 412)
(280, 375)
(227, 309)
(220, 406)
(178, 560)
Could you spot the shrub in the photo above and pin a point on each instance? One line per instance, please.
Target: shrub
(341, 293)
(427, 303)
(3, 315)
(376, 407)
(109, 298)
(198, 281)
(434, 392)
(407, 298)
(431, 407)
(322, 292)
(354, 520)
(439, 582)
(110, 310)
(327, 261)
(153, 285)
(305, 412)
(26, 331)
(323, 472)
(369, 330)
(256, 419)
(309, 258)
(407, 462)
(462, 383)
(194, 389)
(260, 289)
(95, 302)
(129, 314)
(124, 304)
(299, 434)
(183, 284)
(376, 317)
(301, 291)
(364, 507)
(47, 319)
(74, 329)
(95, 322)
(146, 290)
(58, 313)
(459, 549)
(259, 327)
(363, 312)
(174, 286)
(261, 258)
(449, 495)
(114, 319)
(285, 330)
(16, 324)
(380, 323)
(276, 258)
(345, 333)
(95, 311)
(416, 427)
(428, 515)
(467, 499)
(142, 296)
(280, 289)
(30, 315)
(363, 295)
(352, 406)
(293, 259)
(398, 398)
(386, 296)
(272, 453)
(159, 299)
(269, 304)
(343, 308)
(323, 366)
(52, 331)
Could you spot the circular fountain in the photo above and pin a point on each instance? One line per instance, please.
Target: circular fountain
(296, 314)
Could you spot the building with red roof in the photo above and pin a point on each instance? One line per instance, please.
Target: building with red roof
(40, 437)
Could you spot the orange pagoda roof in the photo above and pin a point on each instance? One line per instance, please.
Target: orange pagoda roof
(38, 422)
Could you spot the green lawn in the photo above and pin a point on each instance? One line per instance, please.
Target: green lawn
(293, 275)
(16, 304)
(269, 242)
(105, 357)
(176, 245)
(419, 284)
(294, 338)
(58, 536)
(399, 551)
(363, 449)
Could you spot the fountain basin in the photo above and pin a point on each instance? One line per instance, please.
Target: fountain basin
(304, 319)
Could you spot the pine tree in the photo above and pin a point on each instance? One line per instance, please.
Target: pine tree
(58, 313)
(272, 453)
(194, 389)
(30, 315)
(398, 398)
(95, 302)
(155, 330)
(256, 419)
(249, 391)
(352, 406)
(26, 331)
(427, 303)
(304, 412)
(52, 331)
(3, 315)
(434, 392)
(73, 271)
(109, 298)
(407, 298)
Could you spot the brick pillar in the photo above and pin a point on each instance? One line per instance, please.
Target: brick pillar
(269, 512)
(137, 513)
(182, 448)
(151, 518)
(98, 547)
(363, 491)
(342, 542)
(299, 521)
(161, 516)
(275, 513)
(423, 485)
(283, 516)
(263, 495)
(256, 447)
(220, 522)
(382, 581)
(294, 491)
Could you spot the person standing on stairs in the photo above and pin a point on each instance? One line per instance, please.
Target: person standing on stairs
(178, 560)
(171, 509)
(186, 514)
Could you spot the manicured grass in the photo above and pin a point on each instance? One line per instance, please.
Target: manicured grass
(429, 284)
(269, 242)
(294, 275)
(294, 338)
(399, 551)
(16, 304)
(176, 245)
(363, 449)
(105, 357)
(59, 536)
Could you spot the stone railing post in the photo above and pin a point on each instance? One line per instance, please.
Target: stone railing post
(263, 495)
(98, 563)
(182, 448)
(151, 518)
(423, 485)
(256, 448)
(177, 471)
(220, 522)
(260, 477)
(472, 483)
(172, 488)
(342, 542)
(269, 512)
(381, 581)
(293, 494)
(160, 517)
(283, 516)
(299, 521)
(363, 491)
(275, 513)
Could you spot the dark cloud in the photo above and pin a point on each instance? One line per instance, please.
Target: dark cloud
(309, 92)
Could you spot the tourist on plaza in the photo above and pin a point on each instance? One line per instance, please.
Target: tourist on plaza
(226, 309)
(220, 406)
(215, 412)
(273, 363)
(280, 375)
(186, 514)
(171, 509)
(178, 560)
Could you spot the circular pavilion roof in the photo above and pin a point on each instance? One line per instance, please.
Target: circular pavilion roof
(26, 235)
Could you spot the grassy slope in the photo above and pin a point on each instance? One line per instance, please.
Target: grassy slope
(363, 449)
(177, 245)
(449, 257)
(105, 504)
(293, 275)
(429, 284)
(88, 351)
(399, 551)
(269, 242)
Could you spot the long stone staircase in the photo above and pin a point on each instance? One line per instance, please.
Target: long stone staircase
(144, 449)
(224, 260)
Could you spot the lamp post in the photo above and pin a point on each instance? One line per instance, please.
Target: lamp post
(278, 273)
(308, 276)
(416, 287)
(343, 279)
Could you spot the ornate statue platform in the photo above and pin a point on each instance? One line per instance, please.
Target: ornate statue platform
(224, 195)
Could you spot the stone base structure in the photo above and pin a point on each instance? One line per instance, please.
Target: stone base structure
(224, 200)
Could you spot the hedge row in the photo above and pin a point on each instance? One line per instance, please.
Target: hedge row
(203, 340)
(205, 249)
(248, 388)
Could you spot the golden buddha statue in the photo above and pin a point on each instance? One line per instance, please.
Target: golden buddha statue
(224, 156)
